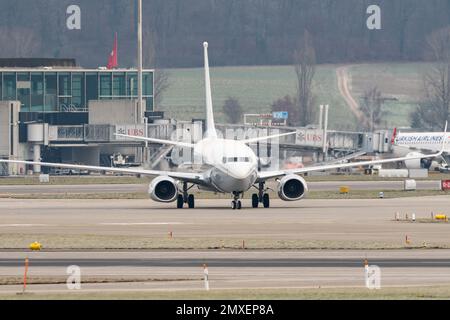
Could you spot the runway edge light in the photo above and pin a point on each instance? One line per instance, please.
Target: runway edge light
(206, 276)
(35, 246)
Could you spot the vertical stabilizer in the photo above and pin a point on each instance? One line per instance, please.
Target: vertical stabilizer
(210, 127)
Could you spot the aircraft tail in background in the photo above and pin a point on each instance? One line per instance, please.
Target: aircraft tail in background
(394, 135)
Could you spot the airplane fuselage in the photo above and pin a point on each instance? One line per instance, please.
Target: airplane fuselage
(233, 164)
(430, 141)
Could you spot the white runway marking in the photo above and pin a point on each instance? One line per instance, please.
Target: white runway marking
(138, 223)
(24, 225)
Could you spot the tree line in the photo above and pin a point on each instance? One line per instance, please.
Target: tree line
(242, 32)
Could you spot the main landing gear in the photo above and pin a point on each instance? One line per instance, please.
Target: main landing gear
(185, 197)
(236, 203)
(261, 197)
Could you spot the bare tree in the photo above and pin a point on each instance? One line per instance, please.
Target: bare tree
(18, 42)
(161, 76)
(233, 110)
(305, 60)
(434, 110)
(372, 107)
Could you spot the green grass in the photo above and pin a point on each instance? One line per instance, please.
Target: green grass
(403, 81)
(255, 88)
(425, 292)
(160, 240)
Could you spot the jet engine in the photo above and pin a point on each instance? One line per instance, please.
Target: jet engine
(292, 187)
(423, 163)
(163, 189)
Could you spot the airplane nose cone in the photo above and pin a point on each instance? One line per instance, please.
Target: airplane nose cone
(241, 171)
(205, 44)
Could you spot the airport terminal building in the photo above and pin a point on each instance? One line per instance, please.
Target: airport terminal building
(53, 110)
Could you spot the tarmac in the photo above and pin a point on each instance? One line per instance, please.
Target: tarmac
(358, 223)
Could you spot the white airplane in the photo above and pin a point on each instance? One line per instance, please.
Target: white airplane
(415, 144)
(232, 167)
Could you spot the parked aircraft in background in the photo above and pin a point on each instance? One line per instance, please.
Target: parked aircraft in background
(415, 144)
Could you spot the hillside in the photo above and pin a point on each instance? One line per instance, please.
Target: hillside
(257, 87)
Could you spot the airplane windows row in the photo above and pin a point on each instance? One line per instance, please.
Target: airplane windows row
(235, 159)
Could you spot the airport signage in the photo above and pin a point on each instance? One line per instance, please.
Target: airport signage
(131, 130)
(280, 115)
(309, 137)
(445, 185)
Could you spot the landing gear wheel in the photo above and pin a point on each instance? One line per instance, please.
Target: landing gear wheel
(238, 204)
(180, 201)
(233, 204)
(191, 202)
(266, 201)
(255, 200)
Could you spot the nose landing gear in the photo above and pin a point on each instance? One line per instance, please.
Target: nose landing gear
(236, 203)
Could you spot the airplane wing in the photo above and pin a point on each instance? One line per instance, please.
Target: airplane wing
(184, 176)
(161, 141)
(264, 175)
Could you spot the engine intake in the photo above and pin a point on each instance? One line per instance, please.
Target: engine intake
(163, 189)
(292, 187)
(423, 163)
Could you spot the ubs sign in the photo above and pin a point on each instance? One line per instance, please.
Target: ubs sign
(309, 137)
(131, 130)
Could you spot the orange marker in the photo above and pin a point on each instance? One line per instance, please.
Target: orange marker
(25, 275)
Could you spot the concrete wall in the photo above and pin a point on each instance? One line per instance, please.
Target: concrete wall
(9, 137)
(114, 112)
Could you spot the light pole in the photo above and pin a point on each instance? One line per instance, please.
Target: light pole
(140, 104)
(139, 31)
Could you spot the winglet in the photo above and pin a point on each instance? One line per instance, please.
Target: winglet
(154, 140)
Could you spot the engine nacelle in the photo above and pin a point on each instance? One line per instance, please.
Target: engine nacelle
(292, 187)
(423, 163)
(163, 189)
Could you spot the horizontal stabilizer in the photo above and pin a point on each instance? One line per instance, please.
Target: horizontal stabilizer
(251, 140)
(161, 141)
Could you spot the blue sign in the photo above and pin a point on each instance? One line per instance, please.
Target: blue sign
(280, 115)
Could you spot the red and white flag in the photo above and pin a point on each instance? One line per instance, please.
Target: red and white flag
(112, 60)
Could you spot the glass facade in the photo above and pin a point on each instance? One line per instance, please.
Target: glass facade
(47, 90)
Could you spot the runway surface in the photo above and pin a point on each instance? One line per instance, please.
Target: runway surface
(232, 263)
(183, 270)
(122, 224)
(348, 221)
(130, 188)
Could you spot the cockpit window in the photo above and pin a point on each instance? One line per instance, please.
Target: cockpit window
(235, 159)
